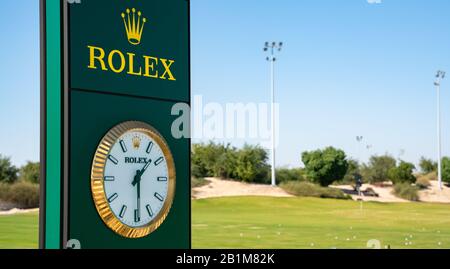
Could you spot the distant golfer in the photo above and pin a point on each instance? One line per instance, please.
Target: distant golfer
(359, 183)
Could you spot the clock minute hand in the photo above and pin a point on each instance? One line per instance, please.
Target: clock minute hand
(137, 213)
(146, 166)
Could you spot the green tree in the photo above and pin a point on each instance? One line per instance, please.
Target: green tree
(403, 173)
(252, 165)
(30, 173)
(205, 159)
(446, 169)
(378, 168)
(219, 160)
(225, 166)
(8, 172)
(198, 164)
(427, 165)
(325, 166)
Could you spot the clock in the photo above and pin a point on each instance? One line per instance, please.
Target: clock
(133, 179)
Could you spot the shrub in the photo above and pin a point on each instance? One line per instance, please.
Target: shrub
(431, 176)
(378, 168)
(406, 191)
(197, 170)
(427, 165)
(23, 194)
(307, 189)
(446, 169)
(30, 173)
(204, 158)
(198, 167)
(4, 190)
(403, 173)
(252, 165)
(225, 167)
(216, 160)
(423, 182)
(8, 172)
(285, 175)
(325, 166)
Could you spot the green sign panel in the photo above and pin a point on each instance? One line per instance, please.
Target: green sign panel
(114, 175)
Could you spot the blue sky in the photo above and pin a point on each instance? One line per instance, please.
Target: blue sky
(19, 80)
(348, 68)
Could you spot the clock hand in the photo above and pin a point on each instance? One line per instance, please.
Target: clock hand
(137, 182)
(137, 213)
(139, 174)
(146, 166)
(137, 178)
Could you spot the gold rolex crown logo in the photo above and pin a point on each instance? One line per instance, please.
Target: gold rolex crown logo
(134, 25)
(136, 142)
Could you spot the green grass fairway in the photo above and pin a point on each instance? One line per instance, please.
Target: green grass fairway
(256, 222)
(19, 231)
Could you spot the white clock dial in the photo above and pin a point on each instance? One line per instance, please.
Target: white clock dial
(136, 179)
(133, 179)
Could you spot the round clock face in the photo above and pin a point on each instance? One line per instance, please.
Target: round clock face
(133, 179)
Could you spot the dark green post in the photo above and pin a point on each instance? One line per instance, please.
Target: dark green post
(105, 63)
(51, 130)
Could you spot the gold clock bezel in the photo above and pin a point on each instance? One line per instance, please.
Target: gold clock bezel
(98, 187)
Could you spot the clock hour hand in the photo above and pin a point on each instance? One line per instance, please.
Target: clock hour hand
(139, 174)
(137, 178)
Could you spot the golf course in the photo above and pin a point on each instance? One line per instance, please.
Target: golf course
(269, 222)
(19, 231)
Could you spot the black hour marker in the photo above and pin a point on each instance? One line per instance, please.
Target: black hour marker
(159, 161)
(112, 159)
(162, 178)
(110, 178)
(149, 147)
(159, 197)
(124, 147)
(149, 210)
(122, 211)
(113, 197)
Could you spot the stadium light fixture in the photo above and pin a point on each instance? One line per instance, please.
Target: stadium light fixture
(272, 47)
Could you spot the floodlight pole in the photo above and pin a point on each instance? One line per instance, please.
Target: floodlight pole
(272, 71)
(439, 76)
(272, 48)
